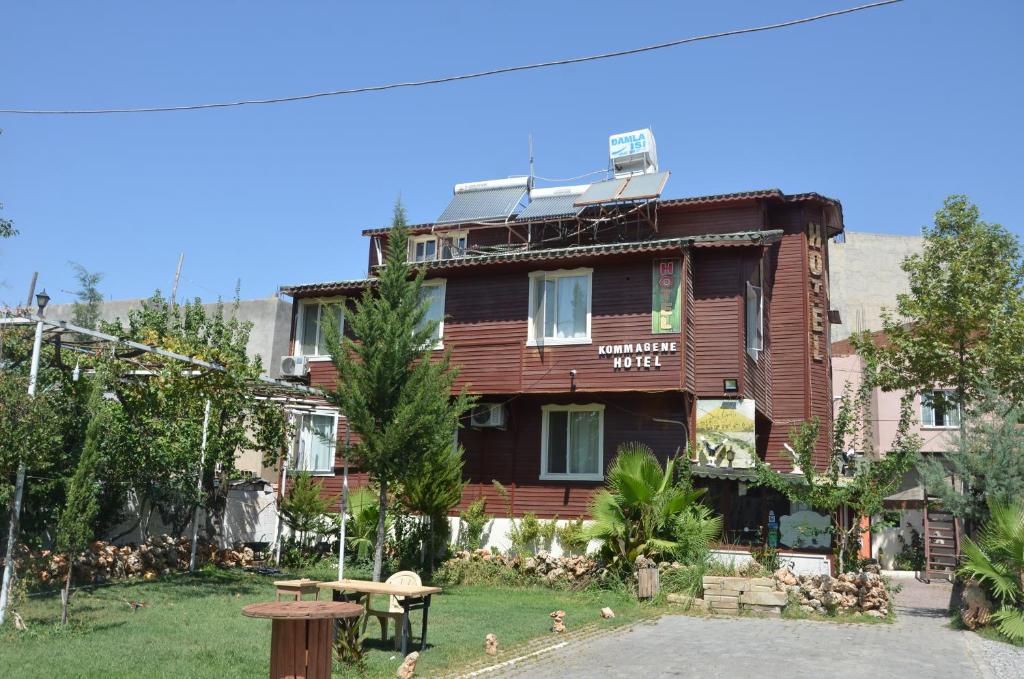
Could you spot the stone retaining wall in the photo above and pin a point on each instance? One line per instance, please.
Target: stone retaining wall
(733, 594)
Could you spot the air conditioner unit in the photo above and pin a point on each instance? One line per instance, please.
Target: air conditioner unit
(487, 415)
(294, 366)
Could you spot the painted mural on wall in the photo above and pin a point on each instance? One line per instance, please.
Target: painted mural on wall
(805, 530)
(725, 432)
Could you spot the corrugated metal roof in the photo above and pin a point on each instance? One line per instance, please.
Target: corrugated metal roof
(479, 205)
(576, 251)
(734, 474)
(328, 287)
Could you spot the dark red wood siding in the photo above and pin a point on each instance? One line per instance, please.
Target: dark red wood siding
(486, 325)
(513, 456)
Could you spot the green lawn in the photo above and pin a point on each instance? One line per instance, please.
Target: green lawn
(191, 626)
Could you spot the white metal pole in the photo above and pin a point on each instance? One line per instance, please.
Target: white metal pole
(296, 421)
(344, 509)
(199, 489)
(19, 485)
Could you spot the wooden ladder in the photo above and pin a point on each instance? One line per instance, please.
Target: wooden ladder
(941, 544)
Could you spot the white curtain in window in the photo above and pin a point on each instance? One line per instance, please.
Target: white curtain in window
(319, 443)
(584, 439)
(571, 311)
(433, 295)
(927, 411)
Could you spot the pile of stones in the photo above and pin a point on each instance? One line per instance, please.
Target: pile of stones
(104, 561)
(544, 565)
(862, 592)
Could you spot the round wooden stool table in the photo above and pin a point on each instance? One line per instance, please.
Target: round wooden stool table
(301, 635)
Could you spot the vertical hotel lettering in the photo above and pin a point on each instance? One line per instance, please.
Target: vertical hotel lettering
(816, 267)
(666, 278)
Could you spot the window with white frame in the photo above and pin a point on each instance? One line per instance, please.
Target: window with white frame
(755, 320)
(423, 248)
(939, 409)
(560, 307)
(432, 293)
(572, 442)
(438, 246)
(311, 328)
(315, 442)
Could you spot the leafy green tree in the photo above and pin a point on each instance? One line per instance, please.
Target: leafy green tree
(396, 396)
(164, 410)
(997, 561)
(7, 229)
(837, 494)
(987, 462)
(303, 509)
(635, 516)
(76, 527)
(30, 430)
(88, 298)
(962, 323)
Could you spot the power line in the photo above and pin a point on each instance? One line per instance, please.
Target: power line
(572, 179)
(455, 78)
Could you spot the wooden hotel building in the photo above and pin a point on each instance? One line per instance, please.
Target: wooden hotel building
(586, 317)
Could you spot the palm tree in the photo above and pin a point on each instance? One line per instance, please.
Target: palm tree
(640, 512)
(997, 561)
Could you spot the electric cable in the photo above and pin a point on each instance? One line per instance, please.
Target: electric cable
(454, 78)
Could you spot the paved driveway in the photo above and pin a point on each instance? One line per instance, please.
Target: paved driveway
(919, 644)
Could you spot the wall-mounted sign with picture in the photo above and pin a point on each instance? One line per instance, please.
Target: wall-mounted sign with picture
(806, 530)
(725, 432)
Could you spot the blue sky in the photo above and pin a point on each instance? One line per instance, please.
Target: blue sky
(887, 110)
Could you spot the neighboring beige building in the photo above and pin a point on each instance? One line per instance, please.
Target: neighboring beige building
(865, 276)
(271, 319)
(934, 421)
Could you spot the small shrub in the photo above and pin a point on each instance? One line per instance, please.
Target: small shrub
(546, 531)
(688, 579)
(523, 534)
(303, 509)
(717, 568)
(480, 572)
(911, 556)
(752, 569)
(348, 643)
(472, 523)
(767, 558)
(571, 537)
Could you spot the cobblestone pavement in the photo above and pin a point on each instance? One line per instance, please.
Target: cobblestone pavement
(919, 644)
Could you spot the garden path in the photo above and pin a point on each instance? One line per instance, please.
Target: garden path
(919, 644)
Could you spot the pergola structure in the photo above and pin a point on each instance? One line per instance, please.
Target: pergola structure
(294, 398)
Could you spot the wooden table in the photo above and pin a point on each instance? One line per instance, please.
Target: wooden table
(411, 597)
(296, 588)
(301, 635)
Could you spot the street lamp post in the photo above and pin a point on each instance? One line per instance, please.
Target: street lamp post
(42, 299)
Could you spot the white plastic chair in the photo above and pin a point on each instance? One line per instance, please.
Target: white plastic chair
(394, 610)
